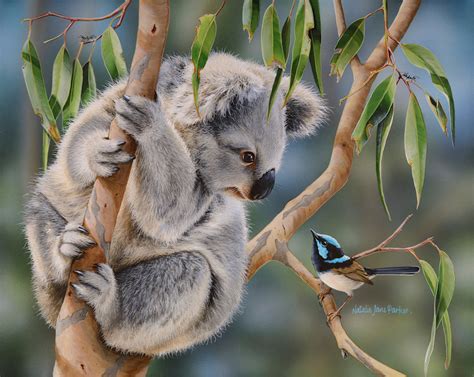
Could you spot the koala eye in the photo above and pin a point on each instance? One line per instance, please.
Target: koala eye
(247, 157)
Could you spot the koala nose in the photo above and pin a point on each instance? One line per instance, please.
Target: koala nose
(264, 186)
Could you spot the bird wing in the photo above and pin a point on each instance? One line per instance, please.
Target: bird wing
(354, 272)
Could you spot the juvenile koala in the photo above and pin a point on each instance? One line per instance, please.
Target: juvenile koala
(176, 265)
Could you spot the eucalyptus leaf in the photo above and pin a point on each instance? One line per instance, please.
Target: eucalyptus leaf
(315, 53)
(45, 150)
(438, 112)
(250, 15)
(200, 50)
(446, 281)
(375, 111)
(383, 130)
(423, 58)
(347, 47)
(271, 40)
(432, 280)
(62, 72)
(112, 54)
(304, 22)
(37, 91)
(415, 144)
(89, 87)
(286, 37)
(71, 107)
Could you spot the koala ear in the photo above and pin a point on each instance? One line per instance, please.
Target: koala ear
(172, 74)
(305, 111)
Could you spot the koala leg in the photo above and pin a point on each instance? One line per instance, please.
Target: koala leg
(53, 243)
(143, 308)
(164, 191)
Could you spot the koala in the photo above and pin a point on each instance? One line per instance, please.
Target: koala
(176, 266)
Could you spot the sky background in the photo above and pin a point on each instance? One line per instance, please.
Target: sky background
(281, 330)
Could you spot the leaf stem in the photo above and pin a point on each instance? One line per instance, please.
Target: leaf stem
(220, 8)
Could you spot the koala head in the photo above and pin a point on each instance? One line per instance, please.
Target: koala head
(235, 147)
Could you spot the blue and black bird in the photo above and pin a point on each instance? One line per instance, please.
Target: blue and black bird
(340, 272)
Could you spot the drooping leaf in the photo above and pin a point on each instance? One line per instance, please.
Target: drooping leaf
(45, 150)
(89, 87)
(375, 111)
(423, 58)
(250, 14)
(445, 290)
(112, 54)
(271, 41)
(200, 50)
(286, 36)
(432, 280)
(74, 100)
(36, 89)
(438, 112)
(304, 22)
(415, 144)
(383, 130)
(315, 53)
(62, 71)
(347, 47)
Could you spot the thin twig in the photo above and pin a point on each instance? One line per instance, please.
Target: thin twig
(221, 7)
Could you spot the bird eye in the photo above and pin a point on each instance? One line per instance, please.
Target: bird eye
(325, 243)
(247, 157)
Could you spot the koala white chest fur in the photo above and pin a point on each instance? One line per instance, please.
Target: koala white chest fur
(176, 266)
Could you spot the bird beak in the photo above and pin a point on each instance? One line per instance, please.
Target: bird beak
(315, 235)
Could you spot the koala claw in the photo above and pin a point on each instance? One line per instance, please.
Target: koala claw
(107, 154)
(95, 287)
(74, 240)
(135, 114)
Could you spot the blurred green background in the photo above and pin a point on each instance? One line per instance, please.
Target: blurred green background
(281, 330)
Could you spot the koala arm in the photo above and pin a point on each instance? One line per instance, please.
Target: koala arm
(165, 193)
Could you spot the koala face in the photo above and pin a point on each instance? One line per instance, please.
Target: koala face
(235, 147)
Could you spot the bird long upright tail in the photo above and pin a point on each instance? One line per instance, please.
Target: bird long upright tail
(403, 270)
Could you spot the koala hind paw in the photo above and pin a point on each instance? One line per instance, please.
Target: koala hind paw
(135, 114)
(95, 288)
(107, 155)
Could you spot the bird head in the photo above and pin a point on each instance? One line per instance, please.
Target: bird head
(326, 251)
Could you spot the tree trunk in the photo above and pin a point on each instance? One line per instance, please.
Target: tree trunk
(79, 349)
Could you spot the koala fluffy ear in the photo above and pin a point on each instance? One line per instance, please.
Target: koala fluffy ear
(305, 111)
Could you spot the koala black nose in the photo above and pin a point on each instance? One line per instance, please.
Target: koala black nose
(264, 186)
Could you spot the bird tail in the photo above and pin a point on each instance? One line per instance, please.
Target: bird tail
(405, 270)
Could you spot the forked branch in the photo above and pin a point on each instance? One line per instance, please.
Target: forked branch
(272, 242)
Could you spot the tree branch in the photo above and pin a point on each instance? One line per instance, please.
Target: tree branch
(272, 242)
(79, 349)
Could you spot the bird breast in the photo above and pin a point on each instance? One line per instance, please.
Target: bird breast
(339, 282)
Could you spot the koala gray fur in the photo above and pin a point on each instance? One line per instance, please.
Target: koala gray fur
(176, 266)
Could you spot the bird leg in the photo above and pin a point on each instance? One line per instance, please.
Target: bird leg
(336, 313)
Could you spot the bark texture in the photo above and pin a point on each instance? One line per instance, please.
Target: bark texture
(79, 349)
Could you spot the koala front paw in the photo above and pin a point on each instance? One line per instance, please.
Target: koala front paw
(98, 289)
(74, 240)
(105, 156)
(135, 114)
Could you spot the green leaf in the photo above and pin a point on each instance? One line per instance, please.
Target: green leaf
(200, 50)
(383, 131)
(304, 22)
(415, 144)
(375, 111)
(438, 112)
(347, 47)
(271, 41)
(45, 150)
(62, 71)
(423, 58)
(432, 280)
(36, 89)
(286, 37)
(112, 54)
(74, 100)
(89, 87)
(445, 290)
(250, 14)
(315, 53)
